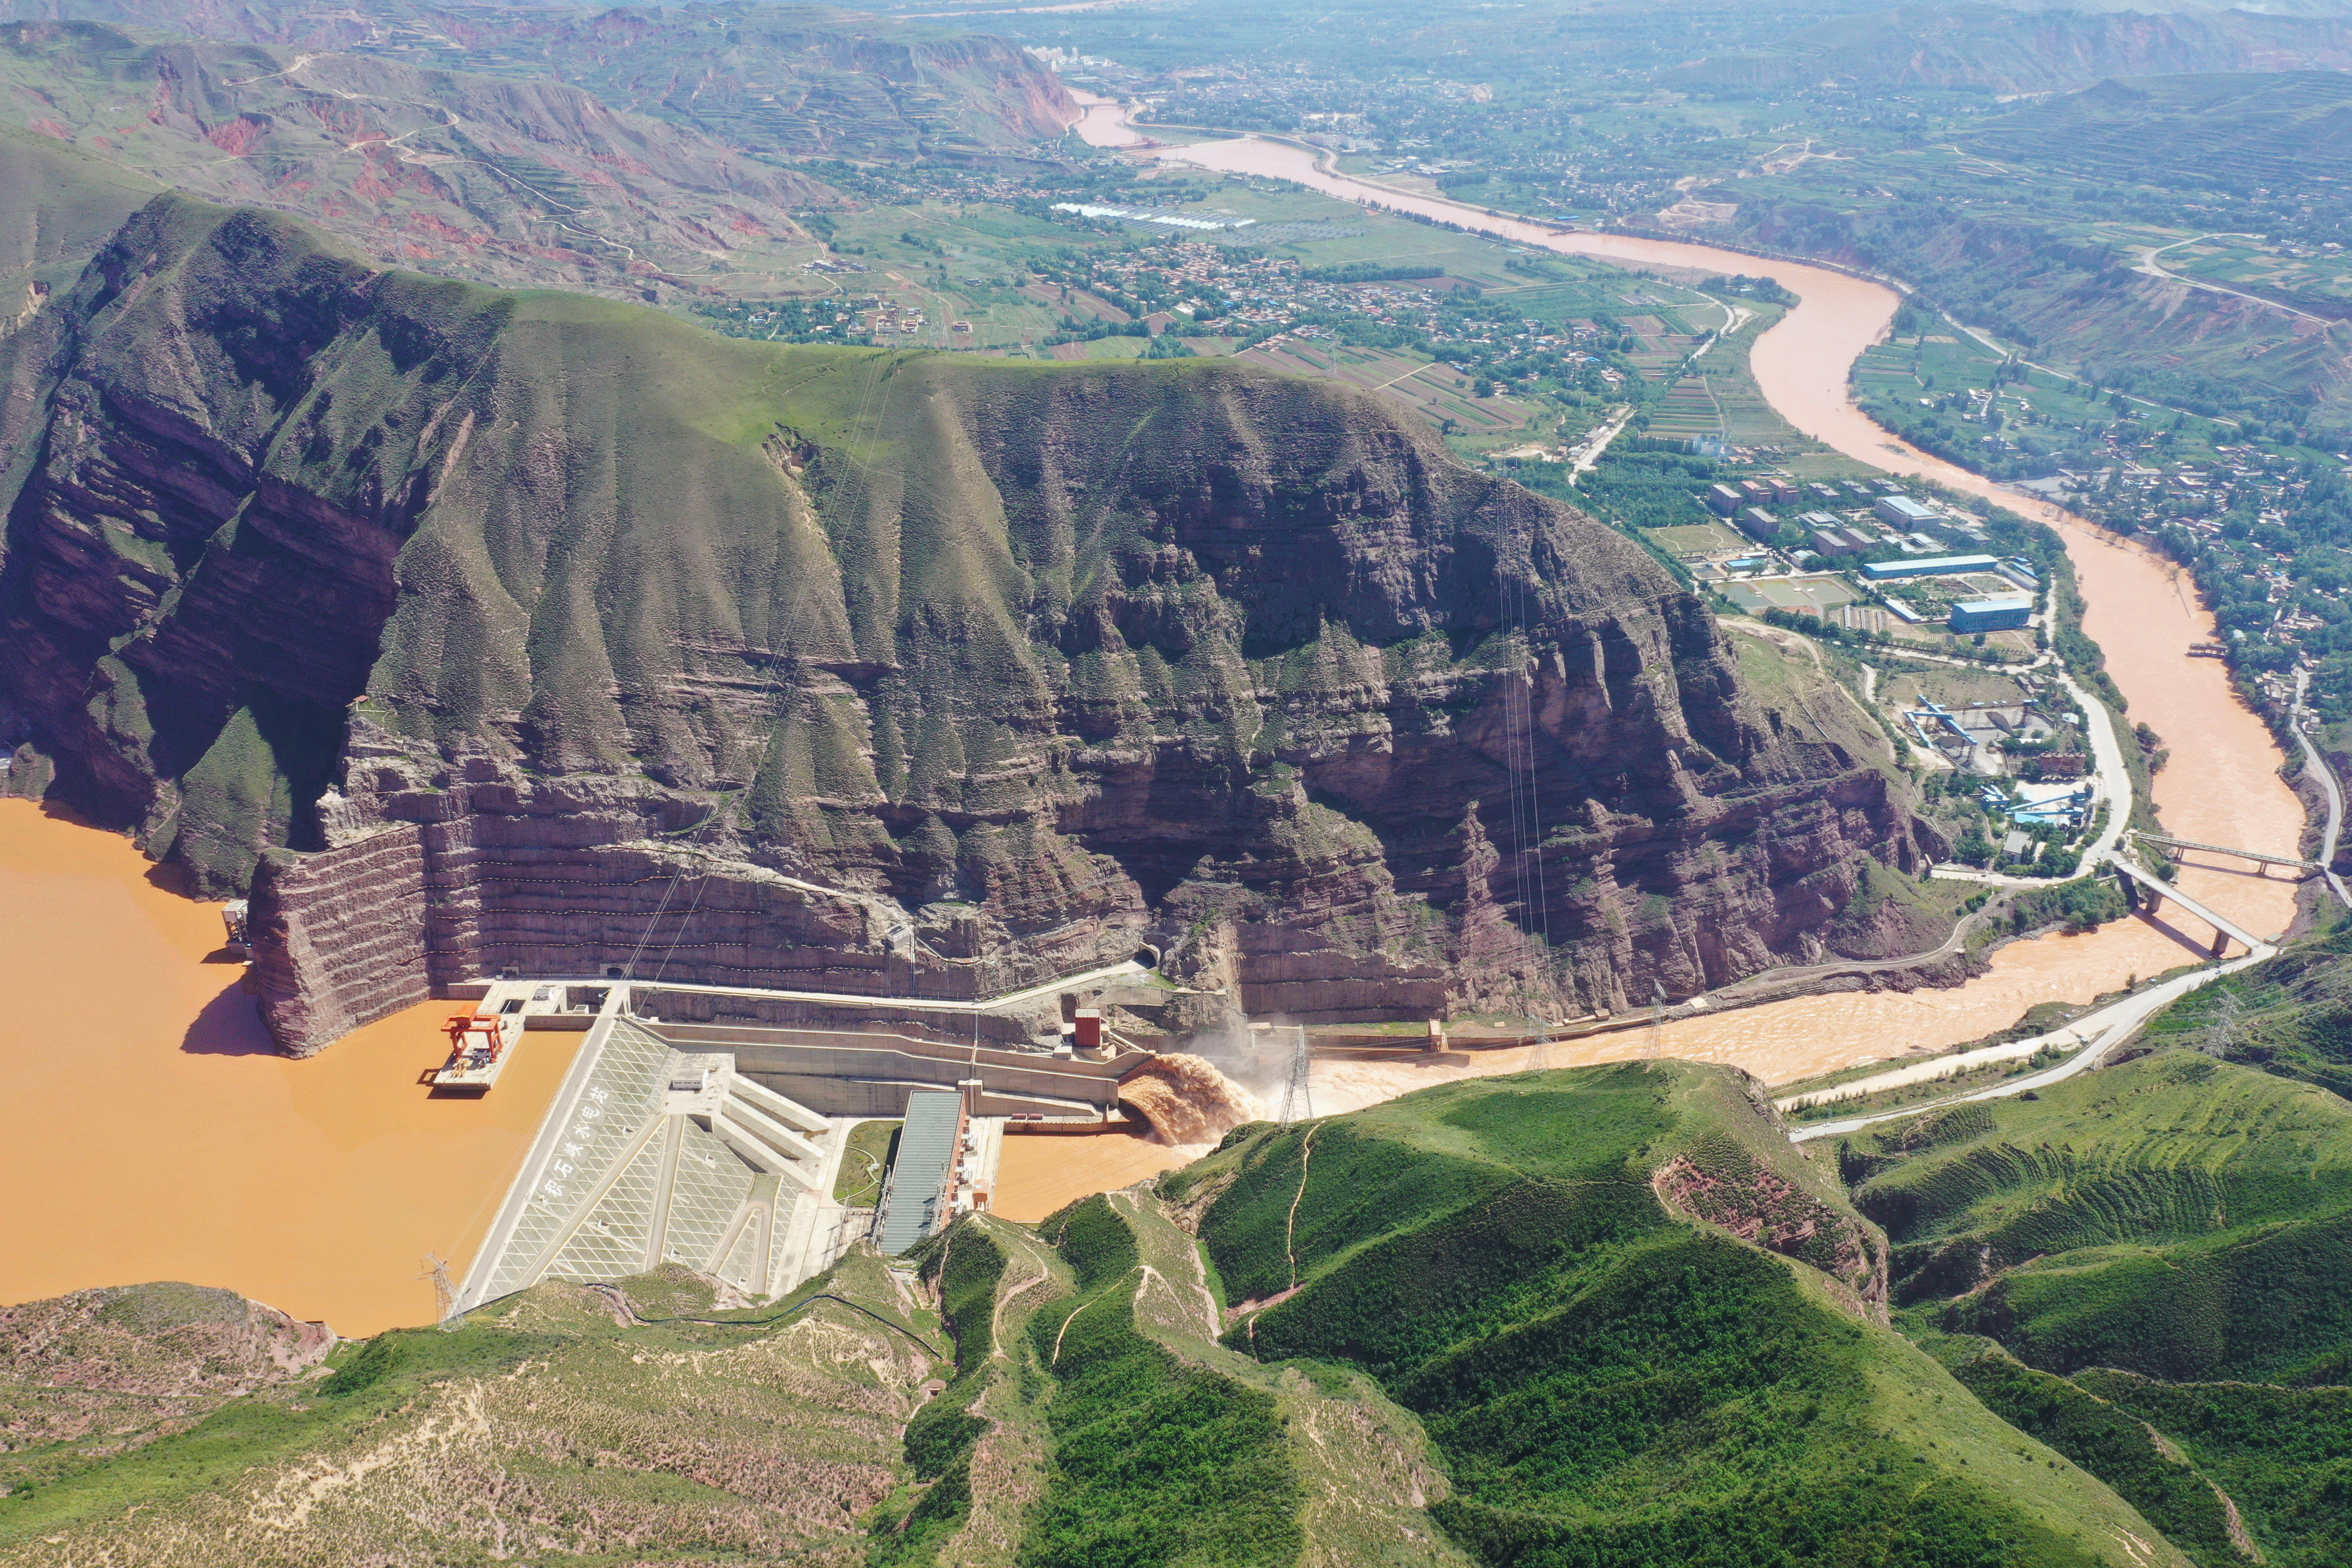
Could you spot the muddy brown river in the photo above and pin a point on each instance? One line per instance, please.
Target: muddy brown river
(147, 1132)
(2223, 787)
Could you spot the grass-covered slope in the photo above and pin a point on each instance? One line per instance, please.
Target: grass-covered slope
(552, 1428)
(1095, 1420)
(2174, 1215)
(58, 206)
(1637, 1327)
(2281, 1457)
(2291, 1015)
(1607, 1318)
(2146, 1267)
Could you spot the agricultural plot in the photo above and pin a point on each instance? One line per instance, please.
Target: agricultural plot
(1689, 409)
(1437, 393)
(2320, 282)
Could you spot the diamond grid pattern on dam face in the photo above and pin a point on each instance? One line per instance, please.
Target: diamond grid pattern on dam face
(710, 1185)
(611, 1242)
(741, 1264)
(622, 1092)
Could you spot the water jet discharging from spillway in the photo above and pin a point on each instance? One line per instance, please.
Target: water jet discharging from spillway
(1187, 1099)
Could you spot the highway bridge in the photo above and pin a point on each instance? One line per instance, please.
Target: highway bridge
(2259, 857)
(2156, 889)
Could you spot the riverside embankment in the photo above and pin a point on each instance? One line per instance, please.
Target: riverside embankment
(2223, 785)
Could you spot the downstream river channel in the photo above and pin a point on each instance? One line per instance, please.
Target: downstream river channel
(2222, 786)
(147, 1132)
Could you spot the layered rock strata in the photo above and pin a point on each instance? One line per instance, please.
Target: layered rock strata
(486, 632)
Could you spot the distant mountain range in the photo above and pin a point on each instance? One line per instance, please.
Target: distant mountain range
(2018, 51)
(500, 179)
(628, 153)
(782, 79)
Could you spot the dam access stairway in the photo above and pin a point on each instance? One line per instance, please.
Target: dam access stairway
(716, 1140)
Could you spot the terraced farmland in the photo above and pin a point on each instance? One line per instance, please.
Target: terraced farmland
(2131, 1218)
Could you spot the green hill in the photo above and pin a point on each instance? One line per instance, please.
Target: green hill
(1605, 1317)
(2144, 1268)
(1637, 1326)
(2133, 1218)
(2291, 1015)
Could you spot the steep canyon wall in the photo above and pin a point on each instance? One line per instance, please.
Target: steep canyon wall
(480, 631)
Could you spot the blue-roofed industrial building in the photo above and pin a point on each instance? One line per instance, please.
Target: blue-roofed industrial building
(1928, 567)
(920, 1197)
(1990, 615)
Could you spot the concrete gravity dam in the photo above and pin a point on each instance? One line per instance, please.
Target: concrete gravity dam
(710, 1126)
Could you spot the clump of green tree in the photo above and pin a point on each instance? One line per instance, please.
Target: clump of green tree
(1153, 1459)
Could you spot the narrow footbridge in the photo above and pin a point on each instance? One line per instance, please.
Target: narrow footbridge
(2156, 889)
(2257, 856)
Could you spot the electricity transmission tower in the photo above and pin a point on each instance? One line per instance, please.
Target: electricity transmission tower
(2222, 1034)
(436, 1269)
(1295, 1103)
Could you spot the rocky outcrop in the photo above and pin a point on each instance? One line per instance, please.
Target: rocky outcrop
(487, 632)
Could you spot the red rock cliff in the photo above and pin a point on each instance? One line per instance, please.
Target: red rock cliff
(487, 632)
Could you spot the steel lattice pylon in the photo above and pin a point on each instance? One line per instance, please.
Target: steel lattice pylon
(1296, 1106)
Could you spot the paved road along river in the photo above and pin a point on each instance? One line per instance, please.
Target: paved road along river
(2222, 786)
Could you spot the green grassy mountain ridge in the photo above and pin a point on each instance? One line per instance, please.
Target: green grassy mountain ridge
(2196, 1188)
(2291, 1015)
(1483, 1324)
(1036, 659)
(2144, 1267)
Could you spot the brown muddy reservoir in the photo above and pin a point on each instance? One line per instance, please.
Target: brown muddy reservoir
(149, 1131)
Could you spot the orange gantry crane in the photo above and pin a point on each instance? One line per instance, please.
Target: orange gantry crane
(465, 1050)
